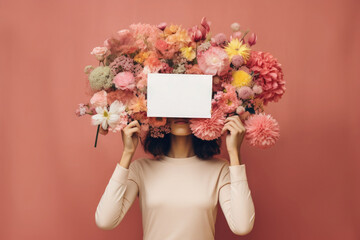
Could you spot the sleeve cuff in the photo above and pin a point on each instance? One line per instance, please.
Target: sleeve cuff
(238, 173)
(120, 174)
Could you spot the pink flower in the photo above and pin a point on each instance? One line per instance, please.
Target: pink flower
(123, 42)
(240, 110)
(198, 33)
(271, 77)
(99, 99)
(208, 128)
(161, 45)
(123, 96)
(220, 39)
(213, 61)
(252, 39)
(228, 101)
(193, 69)
(257, 89)
(237, 35)
(235, 26)
(81, 110)
(159, 132)
(162, 26)
(262, 130)
(245, 92)
(237, 60)
(120, 124)
(124, 81)
(99, 53)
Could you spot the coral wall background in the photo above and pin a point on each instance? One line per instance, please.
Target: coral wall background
(52, 178)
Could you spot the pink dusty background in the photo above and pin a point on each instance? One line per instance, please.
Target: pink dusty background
(52, 178)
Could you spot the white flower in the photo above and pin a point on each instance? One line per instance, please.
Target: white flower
(111, 117)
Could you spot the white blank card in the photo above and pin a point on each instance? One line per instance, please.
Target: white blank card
(179, 95)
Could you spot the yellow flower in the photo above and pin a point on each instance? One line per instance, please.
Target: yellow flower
(240, 78)
(235, 47)
(188, 53)
(181, 38)
(141, 57)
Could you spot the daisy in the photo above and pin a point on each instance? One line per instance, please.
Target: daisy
(111, 117)
(235, 47)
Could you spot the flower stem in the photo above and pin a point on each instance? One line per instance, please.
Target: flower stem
(97, 133)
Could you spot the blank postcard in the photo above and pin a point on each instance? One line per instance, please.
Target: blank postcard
(179, 95)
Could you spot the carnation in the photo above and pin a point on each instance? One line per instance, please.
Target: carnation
(262, 130)
(124, 81)
(208, 128)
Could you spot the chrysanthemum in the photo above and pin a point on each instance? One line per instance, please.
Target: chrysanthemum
(235, 47)
(241, 78)
(108, 118)
(262, 130)
(208, 128)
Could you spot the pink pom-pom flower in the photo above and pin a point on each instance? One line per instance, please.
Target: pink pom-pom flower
(208, 128)
(262, 130)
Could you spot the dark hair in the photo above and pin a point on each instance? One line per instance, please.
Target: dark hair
(161, 146)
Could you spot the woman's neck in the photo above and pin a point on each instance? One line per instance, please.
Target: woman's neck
(181, 146)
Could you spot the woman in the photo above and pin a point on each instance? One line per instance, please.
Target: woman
(178, 191)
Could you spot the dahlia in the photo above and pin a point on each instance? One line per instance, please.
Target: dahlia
(270, 78)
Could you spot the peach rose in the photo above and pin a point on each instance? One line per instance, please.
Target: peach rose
(99, 52)
(99, 99)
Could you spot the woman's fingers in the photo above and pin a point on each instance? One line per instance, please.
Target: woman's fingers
(132, 130)
(231, 127)
(237, 120)
(132, 124)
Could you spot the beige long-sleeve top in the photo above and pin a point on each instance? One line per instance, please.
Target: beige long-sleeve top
(179, 197)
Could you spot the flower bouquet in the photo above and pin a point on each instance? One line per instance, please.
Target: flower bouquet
(244, 80)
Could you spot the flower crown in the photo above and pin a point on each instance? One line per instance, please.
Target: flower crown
(244, 80)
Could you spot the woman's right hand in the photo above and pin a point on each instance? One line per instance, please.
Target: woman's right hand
(130, 136)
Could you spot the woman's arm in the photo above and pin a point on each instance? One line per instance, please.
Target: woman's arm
(235, 199)
(118, 197)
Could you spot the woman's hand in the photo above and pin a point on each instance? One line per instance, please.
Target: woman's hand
(130, 136)
(237, 133)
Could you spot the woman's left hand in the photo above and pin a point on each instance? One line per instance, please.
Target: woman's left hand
(237, 133)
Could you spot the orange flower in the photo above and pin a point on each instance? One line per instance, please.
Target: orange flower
(138, 104)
